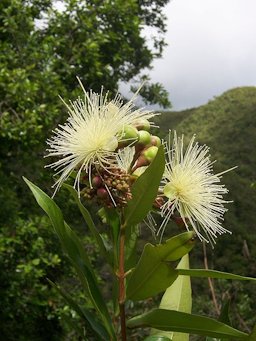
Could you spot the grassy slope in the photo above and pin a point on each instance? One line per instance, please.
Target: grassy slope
(227, 124)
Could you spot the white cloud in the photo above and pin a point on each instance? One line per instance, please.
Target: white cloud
(212, 48)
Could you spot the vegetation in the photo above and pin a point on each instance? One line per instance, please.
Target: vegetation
(227, 125)
(43, 49)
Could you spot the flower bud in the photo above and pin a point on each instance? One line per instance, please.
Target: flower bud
(130, 132)
(96, 181)
(159, 201)
(141, 161)
(150, 153)
(155, 141)
(144, 137)
(102, 193)
(139, 171)
(179, 221)
(142, 124)
(129, 135)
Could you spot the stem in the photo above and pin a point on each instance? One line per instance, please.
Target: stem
(121, 276)
(210, 282)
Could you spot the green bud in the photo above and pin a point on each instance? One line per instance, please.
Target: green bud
(139, 171)
(129, 134)
(150, 153)
(144, 137)
(155, 141)
(142, 124)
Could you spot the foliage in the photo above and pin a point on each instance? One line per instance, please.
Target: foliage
(45, 48)
(227, 125)
(154, 272)
(42, 50)
(28, 303)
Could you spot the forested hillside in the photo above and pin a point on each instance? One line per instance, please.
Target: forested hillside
(227, 124)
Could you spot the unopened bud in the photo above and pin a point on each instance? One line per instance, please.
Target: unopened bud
(129, 134)
(102, 193)
(141, 161)
(96, 181)
(142, 124)
(144, 137)
(150, 153)
(179, 221)
(159, 201)
(155, 141)
(139, 171)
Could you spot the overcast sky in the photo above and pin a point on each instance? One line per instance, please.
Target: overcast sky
(211, 48)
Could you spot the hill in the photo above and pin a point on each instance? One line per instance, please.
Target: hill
(227, 124)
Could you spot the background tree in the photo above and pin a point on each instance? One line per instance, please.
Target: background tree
(44, 45)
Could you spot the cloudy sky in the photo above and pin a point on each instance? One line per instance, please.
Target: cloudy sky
(211, 48)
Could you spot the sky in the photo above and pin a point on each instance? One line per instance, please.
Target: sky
(211, 49)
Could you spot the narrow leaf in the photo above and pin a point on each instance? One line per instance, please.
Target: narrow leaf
(76, 252)
(153, 273)
(112, 218)
(177, 297)
(157, 338)
(130, 249)
(252, 336)
(176, 321)
(224, 314)
(85, 314)
(212, 274)
(144, 191)
(73, 325)
(88, 219)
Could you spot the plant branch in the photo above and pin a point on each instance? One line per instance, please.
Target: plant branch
(210, 282)
(121, 278)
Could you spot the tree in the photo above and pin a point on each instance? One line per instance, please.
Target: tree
(43, 49)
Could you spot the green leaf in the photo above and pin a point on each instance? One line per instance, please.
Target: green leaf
(252, 336)
(130, 248)
(88, 219)
(74, 326)
(224, 317)
(212, 274)
(153, 274)
(85, 314)
(177, 297)
(176, 321)
(76, 252)
(144, 191)
(113, 219)
(157, 338)
(224, 314)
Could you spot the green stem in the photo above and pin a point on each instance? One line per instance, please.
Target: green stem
(121, 277)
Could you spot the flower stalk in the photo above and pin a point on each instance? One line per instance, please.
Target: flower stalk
(121, 278)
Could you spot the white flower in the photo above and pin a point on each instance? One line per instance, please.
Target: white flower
(117, 109)
(192, 189)
(125, 158)
(91, 134)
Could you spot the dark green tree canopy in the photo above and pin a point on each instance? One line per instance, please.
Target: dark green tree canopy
(46, 44)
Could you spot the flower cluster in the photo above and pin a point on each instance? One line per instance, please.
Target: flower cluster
(108, 144)
(96, 141)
